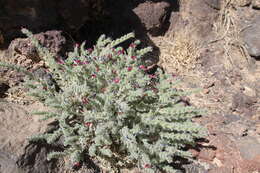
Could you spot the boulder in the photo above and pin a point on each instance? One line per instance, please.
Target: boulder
(195, 16)
(76, 13)
(37, 15)
(42, 15)
(153, 15)
(251, 37)
(17, 155)
(54, 41)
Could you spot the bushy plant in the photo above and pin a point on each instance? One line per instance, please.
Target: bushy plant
(107, 106)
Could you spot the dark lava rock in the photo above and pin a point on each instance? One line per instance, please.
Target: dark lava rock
(153, 15)
(37, 15)
(54, 41)
(3, 88)
(42, 15)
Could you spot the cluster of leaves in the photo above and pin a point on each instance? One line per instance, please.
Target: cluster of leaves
(107, 106)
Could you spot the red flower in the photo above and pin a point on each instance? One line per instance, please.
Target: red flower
(77, 45)
(116, 80)
(114, 72)
(155, 90)
(109, 56)
(77, 61)
(142, 67)
(60, 61)
(133, 57)
(85, 100)
(152, 76)
(129, 68)
(85, 62)
(81, 110)
(120, 52)
(147, 166)
(88, 124)
(76, 164)
(93, 75)
(132, 45)
(89, 50)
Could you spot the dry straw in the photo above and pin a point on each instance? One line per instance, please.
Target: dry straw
(179, 52)
(228, 30)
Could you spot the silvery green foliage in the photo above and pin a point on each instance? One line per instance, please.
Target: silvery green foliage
(110, 108)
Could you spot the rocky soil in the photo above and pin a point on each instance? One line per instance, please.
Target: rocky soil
(209, 44)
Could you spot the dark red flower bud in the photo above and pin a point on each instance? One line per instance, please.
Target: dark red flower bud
(142, 67)
(88, 124)
(60, 61)
(109, 56)
(116, 80)
(120, 52)
(89, 50)
(85, 100)
(133, 57)
(152, 76)
(129, 68)
(77, 61)
(76, 164)
(132, 45)
(94, 75)
(85, 62)
(155, 90)
(114, 72)
(77, 45)
(147, 166)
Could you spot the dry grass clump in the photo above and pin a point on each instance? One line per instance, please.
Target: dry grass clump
(179, 51)
(228, 31)
(16, 93)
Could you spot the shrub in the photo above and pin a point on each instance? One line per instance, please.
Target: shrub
(107, 106)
